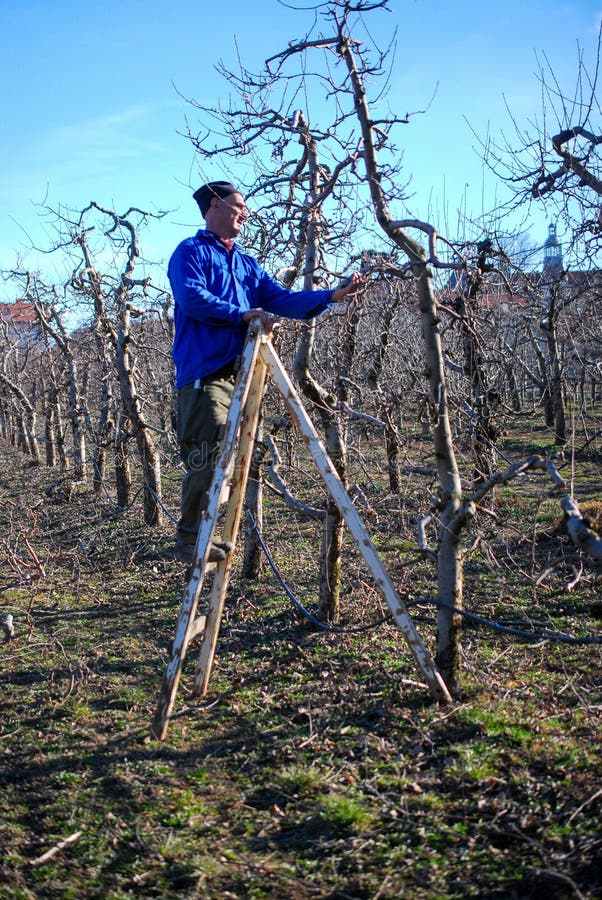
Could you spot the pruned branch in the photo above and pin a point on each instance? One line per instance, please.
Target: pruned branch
(283, 491)
(582, 536)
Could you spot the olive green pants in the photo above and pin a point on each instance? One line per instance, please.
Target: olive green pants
(202, 414)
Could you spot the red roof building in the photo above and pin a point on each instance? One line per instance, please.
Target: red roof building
(19, 323)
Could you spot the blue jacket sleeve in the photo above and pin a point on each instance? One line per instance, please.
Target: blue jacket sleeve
(280, 301)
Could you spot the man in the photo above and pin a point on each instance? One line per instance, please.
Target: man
(217, 290)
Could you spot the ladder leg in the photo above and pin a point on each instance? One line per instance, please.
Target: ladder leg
(186, 617)
(355, 524)
(230, 532)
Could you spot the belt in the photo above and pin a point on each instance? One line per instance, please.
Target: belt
(225, 372)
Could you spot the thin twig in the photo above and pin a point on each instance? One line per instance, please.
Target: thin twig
(40, 860)
(583, 805)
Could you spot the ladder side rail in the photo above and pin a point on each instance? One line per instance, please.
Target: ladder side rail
(230, 529)
(185, 625)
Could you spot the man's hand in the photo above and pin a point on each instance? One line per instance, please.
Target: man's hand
(348, 288)
(266, 320)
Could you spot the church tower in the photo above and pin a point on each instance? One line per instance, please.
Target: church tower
(552, 254)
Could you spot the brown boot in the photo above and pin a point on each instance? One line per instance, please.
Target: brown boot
(217, 551)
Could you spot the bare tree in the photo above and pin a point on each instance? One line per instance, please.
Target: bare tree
(44, 300)
(18, 391)
(123, 234)
(555, 159)
(25, 415)
(451, 513)
(481, 399)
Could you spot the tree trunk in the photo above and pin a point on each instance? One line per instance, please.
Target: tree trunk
(123, 478)
(449, 565)
(149, 455)
(392, 448)
(49, 435)
(484, 432)
(104, 426)
(332, 529)
(513, 391)
(332, 534)
(449, 555)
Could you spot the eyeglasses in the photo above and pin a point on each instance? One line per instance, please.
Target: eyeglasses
(241, 208)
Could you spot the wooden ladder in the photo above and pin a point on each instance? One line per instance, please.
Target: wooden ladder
(259, 357)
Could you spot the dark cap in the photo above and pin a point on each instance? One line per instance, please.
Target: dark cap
(205, 194)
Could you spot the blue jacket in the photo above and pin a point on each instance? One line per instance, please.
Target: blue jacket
(212, 288)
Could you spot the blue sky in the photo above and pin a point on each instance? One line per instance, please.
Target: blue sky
(92, 105)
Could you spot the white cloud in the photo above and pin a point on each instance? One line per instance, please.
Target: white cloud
(104, 138)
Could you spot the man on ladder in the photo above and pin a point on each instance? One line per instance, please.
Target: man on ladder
(218, 289)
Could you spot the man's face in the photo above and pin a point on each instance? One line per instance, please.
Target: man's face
(227, 215)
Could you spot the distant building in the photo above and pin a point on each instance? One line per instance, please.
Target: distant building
(552, 254)
(557, 284)
(20, 324)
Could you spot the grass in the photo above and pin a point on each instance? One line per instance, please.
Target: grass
(317, 766)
